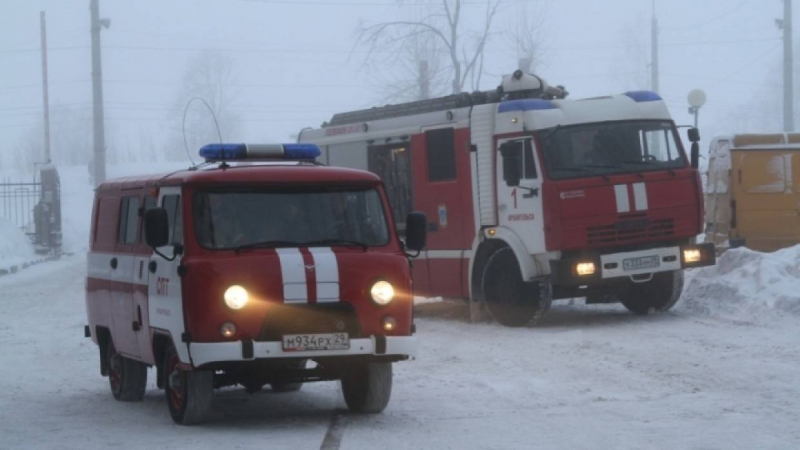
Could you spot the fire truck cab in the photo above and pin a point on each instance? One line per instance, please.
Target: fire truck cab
(533, 197)
(276, 271)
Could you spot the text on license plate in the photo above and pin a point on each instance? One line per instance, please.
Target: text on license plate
(645, 262)
(309, 342)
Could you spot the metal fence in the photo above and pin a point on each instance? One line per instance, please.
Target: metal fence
(35, 208)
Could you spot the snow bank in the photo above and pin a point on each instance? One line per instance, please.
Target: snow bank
(15, 247)
(746, 285)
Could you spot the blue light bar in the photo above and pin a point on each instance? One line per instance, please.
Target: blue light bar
(263, 152)
(534, 104)
(643, 96)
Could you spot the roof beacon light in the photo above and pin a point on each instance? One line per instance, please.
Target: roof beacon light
(245, 152)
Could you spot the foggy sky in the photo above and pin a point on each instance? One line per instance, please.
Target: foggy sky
(294, 66)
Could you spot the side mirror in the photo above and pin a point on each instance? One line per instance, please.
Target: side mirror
(156, 227)
(416, 231)
(693, 134)
(512, 163)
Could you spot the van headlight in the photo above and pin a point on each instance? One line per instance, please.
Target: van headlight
(236, 297)
(382, 292)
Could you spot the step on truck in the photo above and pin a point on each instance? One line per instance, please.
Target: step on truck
(532, 197)
(277, 272)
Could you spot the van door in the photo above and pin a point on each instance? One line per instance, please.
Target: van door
(165, 294)
(443, 191)
(140, 278)
(123, 316)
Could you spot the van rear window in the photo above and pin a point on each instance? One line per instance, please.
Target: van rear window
(128, 221)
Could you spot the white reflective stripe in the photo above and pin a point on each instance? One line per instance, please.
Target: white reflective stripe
(640, 196)
(445, 254)
(295, 287)
(623, 202)
(327, 272)
(98, 266)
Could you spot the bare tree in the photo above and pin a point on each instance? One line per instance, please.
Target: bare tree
(443, 27)
(527, 33)
(210, 76)
(630, 66)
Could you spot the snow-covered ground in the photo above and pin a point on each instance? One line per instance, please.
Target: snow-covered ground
(15, 247)
(586, 378)
(722, 371)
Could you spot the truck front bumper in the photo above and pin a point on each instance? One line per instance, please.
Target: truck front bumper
(213, 352)
(635, 265)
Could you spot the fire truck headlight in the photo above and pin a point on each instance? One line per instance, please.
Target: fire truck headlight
(382, 292)
(236, 297)
(585, 269)
(692, 255)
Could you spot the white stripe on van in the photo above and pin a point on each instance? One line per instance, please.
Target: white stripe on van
(327, 271)
(295, 287)
(621, 194)
(640, 196)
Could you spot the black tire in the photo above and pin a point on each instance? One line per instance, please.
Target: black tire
(657, 295)
(126, 377)
(510, 300)
(367, 387)
(290, 387)
(189, 393)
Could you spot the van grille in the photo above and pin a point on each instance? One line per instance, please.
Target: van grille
(631, 228)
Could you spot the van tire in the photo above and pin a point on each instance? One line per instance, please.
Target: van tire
(657, 295)
(511, 301)
(367, 387)
(189, 393)
(127, 378)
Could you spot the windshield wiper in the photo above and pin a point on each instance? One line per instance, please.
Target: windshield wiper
(335, 241)
(267, 244)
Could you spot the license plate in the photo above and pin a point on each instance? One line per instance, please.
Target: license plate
(311, 342)
(645, 262)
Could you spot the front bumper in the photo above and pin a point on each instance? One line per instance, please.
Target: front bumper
(205, 353)
(613, 265)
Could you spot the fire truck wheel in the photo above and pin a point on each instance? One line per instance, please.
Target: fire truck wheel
(127, 378)
(657, 295)
(290, 387)
(189, 393)
(367, 387)
(510, 300)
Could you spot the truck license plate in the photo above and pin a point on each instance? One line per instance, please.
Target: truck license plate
(311, 342)
(645, 262)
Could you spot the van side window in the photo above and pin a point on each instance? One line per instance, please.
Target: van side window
(172, 203)
(441, 154)
(128, 220)
(149, 202)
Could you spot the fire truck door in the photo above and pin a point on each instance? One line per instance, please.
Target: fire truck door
(442, 190)
(519, 208)
(164, 286)
(123, 332)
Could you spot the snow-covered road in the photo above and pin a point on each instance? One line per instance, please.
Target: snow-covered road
(587, 378)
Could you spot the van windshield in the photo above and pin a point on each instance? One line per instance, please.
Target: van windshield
(610, 148)
(290, 217)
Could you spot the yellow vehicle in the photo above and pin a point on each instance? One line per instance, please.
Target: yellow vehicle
(753, 191)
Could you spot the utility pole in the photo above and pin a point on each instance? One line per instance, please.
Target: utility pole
(788, 68)
(99, 171)
(45, 89)
(654, 51)
(424, 81)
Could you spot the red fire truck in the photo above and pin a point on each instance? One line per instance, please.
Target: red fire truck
(534, 197)
(276, 273)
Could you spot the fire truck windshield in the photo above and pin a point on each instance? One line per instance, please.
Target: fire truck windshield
(289, 217)
(610, 148)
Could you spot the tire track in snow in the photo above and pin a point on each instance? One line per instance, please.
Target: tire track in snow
(333, 438)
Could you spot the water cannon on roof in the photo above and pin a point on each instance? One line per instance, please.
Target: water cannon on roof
(520, 85)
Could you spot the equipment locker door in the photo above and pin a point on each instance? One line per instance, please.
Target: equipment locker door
(442, 190)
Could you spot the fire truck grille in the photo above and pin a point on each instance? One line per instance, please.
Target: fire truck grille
(302, 319)
(631, 228)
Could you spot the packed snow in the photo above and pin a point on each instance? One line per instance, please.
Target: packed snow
(720, 371)
(15, 247)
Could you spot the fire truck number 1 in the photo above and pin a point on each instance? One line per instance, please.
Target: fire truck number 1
(514, 194)
(162, 286)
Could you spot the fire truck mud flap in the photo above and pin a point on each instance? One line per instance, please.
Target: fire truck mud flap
(204, 353)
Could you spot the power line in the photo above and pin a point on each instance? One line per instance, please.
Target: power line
(721, 16)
